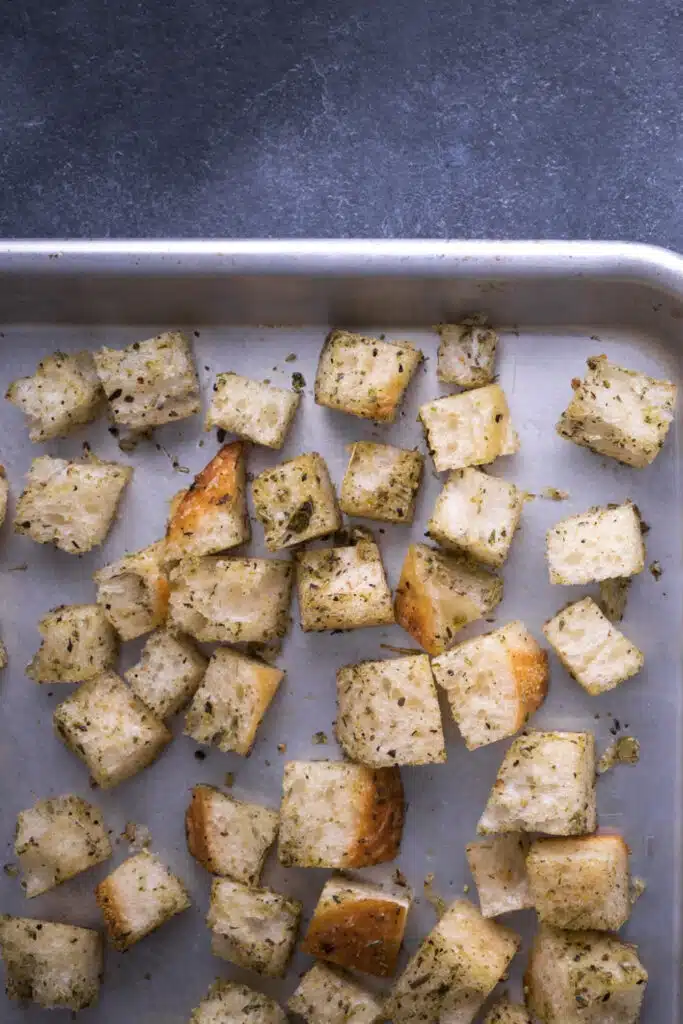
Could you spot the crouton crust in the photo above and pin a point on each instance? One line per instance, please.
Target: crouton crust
(381, 820)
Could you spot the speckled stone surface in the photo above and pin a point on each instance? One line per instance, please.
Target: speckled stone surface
(473, 118)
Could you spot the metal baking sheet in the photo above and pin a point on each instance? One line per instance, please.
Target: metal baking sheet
(555, 304)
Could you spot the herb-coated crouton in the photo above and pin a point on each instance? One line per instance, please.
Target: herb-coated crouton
(328, 996)
(56, 966)
(133, 592)
(110, 729)
(505, 1012)
(70, 504)
(438, 594)
(295, 501)
(498, 866)
(363, 376)
(62, 394)
(151, 382)
(469, 429)
(254, 928)
(229, 837)
(494, 683)
(478, 514)
(593, 651)
(388, 712)
(4, 493)
(600, 544)
(78, 644)
(339, 815)
(138, 897)
(467, 353)
(381, 482)
(546, 783)
(167, 675)
(229, 1002)
(618, 412)
(251, 408)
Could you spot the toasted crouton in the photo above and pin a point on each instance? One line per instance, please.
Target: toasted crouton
(478, 514)
(381, 482)
(251, 408)
(138, 897)
(56, 966)
(229, 837)
(70, 504)
(438, 594)
(328, 996)
(339, 815)
(388, 712)
(546, 783)
(295, 501)
(168, 673)
(229, 1002)
(78, 644)
(498, 866)
(110, 729)
(469, 429)
(494, 683)
(63, 393)
(467, 353)
(505, 1012)
(601, 544)
(133, 592)
(254, 928)
(4, 494)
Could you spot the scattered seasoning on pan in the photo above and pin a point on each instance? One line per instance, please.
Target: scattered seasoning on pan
(291, 358)
(200, 755)
(298, 381)
(638, 887)
(553, 494)
(11, 870)
(400, 878)
(320, 738)
(282, 748)
(229, 779)
(438, 902)
(656, 570)
(625, 750)
(19, 568)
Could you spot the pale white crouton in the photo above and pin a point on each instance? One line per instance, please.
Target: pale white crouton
(232, 698)
(498, 866)
(459, 963)
(78, 644)
(110, 729)
(328, 996)
(62, 394)
(133, 592)
(229, 837)
(151, 382)
(467, 353)
(70, 504)
(469, 429)
(505, 1012)
(381, 482)
(168, 673)
(494, 683)
(56, 966)
(254, 928)
(388, 712)
(546, 783)
(4, 494)
(251, 408)
(600, 544)
(229, 1002)
(295, 501)
(339, 815)
(478, 514)
(363, 376)
(438, 594)
(138, 897)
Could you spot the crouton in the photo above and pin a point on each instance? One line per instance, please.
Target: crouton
(494, 683)
(478, 514)
(167, 675)
(467, 353)
(138, 897)
(600, 544)
(151, 382)
(363, 376)
(229, 1002)
(339, 815)
(110, 729)
(56, 966)
(295, 501)
(232, 698)
(70, 504)
(230, 600)
(593, 651)
(381, 482)
(78, 644)
(4, 494)
(469, 429)
(229, 837)
(620, 413)
(505, 1012)
(576, 977)
(254, 928)
(459, 963)
(133, 592)
(62, 395)
(328, 996)
(388, 712)
(546, 783)
(343, 587)
(438, 594)
(498, 866)
(251, 408)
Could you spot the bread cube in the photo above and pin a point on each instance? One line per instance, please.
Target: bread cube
(478, 514)
(388, 712)
(56, 966)
(467, 353)
(229, 837)
(295, 501)
(151, 382)
(168, 673)
(138, 897)
(229, 1002)
(78, 644)
(494, 683)
(251, 408)
(63, 393)
(438, 594)
(600, 544)
(110, 729)
(231, 600)
(581, 977)
(505, 1012)
(620, 413)
(254, 928)
(459, 963)
(468, 429)
(593, 651)
(498, 866)
(4, 494)
(546, 783)
(363, 376)
(328, 996)
(70, 504)
(381, 482)
(343, 587)
(133, 592)
(339, 815)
